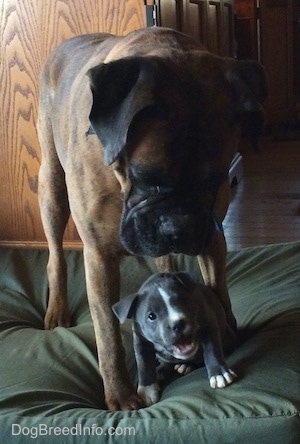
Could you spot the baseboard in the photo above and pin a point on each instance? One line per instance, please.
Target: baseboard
(42, 245)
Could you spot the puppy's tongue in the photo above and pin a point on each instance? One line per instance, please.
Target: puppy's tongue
(184, 347)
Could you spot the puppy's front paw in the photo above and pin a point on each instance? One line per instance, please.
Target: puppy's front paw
(183, 369)
(149, 393)
(221, 381)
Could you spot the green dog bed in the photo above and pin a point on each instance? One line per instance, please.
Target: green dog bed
(51, 391)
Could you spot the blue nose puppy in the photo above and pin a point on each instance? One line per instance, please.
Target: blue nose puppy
(181, 323)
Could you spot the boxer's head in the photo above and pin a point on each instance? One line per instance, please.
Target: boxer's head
(170, 127)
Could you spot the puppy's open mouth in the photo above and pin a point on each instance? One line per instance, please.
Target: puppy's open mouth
(186, 348)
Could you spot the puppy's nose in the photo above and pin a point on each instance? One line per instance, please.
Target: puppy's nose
(179, 326)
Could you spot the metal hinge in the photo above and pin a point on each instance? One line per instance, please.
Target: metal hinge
(151, 15)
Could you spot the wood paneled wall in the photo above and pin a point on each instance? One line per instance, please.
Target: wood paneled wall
(29, 30)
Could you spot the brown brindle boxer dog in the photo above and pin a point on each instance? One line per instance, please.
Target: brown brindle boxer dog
(137, 135)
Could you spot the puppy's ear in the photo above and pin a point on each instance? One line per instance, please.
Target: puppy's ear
(126, 307)
(248, 83)
(120, 89)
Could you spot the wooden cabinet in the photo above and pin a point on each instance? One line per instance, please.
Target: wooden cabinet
(209, 21)
(29, 30)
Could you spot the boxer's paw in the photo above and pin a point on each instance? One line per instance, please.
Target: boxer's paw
(221, 381)
(125, 400)
(57, 317)
(183, 369)
(149, 393)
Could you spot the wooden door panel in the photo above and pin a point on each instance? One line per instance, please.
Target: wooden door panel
(214, 27)
(228, 29)
(276, 55)
(170, 13)
(29, 30)
(195, 23)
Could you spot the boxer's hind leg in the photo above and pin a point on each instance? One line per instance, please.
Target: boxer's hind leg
(54, 207)
(213, 268)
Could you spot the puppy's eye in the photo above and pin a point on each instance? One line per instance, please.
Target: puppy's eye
(152, 316)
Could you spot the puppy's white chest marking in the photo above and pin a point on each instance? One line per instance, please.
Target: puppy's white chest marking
(174, 315)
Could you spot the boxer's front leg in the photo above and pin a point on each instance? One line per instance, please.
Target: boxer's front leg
(103, 288)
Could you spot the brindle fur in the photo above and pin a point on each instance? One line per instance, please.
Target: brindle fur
(92, 182)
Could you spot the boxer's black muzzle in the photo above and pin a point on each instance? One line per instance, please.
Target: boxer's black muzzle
(161, 217)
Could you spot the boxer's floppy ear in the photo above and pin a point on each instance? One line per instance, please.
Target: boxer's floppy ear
(248, 83)
(125, 308)
(120, 90)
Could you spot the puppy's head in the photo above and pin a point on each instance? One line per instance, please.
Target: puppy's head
(166, 312)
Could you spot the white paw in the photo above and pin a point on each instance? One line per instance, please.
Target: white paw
(221, 381)
(183, 369)
(149, 393)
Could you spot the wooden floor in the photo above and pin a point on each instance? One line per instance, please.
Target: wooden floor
(265, 206)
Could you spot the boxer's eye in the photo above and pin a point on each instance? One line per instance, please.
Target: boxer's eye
(152, 316)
